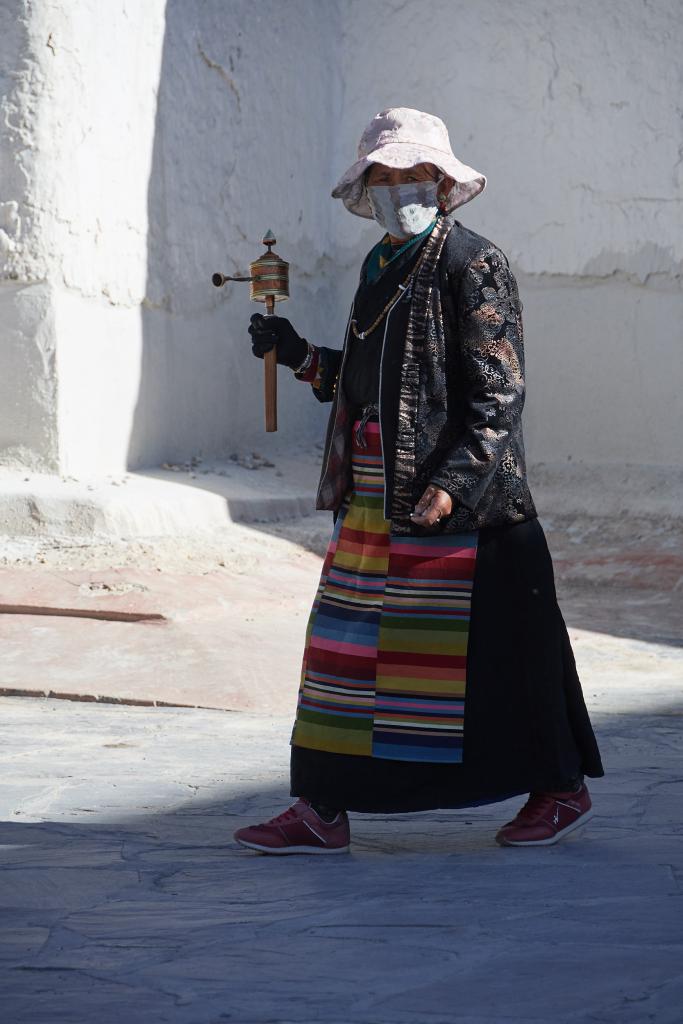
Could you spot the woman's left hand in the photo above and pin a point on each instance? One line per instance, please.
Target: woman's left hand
(432, 506)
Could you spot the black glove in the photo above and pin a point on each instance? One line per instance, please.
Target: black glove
(267, 331)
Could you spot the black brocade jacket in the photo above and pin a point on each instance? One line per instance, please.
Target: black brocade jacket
(450, 409)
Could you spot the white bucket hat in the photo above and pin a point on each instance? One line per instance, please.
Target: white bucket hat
(402, 137)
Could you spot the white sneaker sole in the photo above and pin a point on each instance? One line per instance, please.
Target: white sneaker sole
(553, 839)
(293, 849)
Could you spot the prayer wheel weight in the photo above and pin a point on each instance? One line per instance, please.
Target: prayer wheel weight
(268, 283)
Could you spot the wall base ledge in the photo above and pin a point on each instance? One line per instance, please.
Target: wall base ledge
(599, 490)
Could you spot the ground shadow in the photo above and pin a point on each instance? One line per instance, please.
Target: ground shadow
(161, 917)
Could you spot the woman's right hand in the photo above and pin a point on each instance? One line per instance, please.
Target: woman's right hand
(267, 331)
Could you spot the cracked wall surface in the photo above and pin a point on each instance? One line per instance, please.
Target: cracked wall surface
(574, 113)
(28, 393)
(244, 130)
(142, 147)
(78, 106)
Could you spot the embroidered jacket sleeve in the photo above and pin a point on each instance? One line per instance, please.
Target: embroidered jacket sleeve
(492, 366)
(323, 372)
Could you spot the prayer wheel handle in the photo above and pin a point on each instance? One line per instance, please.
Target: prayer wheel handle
(269, 283)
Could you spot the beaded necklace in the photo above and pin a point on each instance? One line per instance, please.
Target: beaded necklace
(384, 254)
(403, 287)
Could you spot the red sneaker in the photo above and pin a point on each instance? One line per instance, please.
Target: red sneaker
(546, 818)
(299, 829)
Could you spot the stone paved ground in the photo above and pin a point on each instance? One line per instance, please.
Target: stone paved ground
(125, 899)
(235, 608)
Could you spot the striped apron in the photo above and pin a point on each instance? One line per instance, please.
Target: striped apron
(385, 663)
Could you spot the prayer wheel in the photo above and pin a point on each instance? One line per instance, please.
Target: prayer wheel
(268, 283)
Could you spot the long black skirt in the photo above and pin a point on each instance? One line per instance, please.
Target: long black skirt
(526, 724)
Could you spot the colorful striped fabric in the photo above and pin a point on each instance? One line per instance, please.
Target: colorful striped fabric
(385, 663)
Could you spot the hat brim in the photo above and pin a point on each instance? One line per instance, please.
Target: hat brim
(351, 186)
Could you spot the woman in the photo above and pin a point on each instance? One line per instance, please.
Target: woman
(437, 670)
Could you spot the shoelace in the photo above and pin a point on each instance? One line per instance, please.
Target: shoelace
(289, 815)
(536, 805)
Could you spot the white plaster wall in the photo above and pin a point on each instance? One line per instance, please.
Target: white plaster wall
(28, 393)
(79, 104)
(28, 387)
(243, 143)
(573, 111)
(143, 146)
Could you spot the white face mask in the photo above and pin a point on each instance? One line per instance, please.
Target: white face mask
(404, 210)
